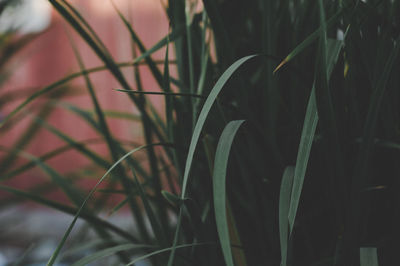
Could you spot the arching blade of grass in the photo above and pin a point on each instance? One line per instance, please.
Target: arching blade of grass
(107, 252)
(62, 242)
(309, 40)
(307, 137)
(196, 135)
(284, 204)
(148, 125)
(70, 210)
(203, 116)
(165, 250)
(113, 146)
(219, 186)
(369, 257)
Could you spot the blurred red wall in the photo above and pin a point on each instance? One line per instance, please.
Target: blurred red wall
(49, 58)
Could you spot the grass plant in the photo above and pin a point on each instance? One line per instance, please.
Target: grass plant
(278, 145)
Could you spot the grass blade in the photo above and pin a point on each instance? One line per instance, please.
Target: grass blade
(44, 157)
(152, 66)
(196, 135)
(369, 257)
(163, 93)
(67, 233)
(308, 41)
(85, 151)
(165, 250)
(284, 204)
(307, 137)
(203, 116)
(70, 210)
(107, 252)
(157, 229)
(361, 178)
(219, 188)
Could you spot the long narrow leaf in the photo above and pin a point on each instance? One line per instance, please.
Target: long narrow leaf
(203, 116)
(165, 250)
(67, 233)
(219, 187)
(284, 204)
(70, 210)
(307, 137)
(107, 252)
(196, 135)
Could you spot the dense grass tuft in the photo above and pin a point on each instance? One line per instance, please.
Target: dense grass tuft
(312, 175)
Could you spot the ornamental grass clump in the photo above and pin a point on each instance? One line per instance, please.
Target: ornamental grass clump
(278, 145)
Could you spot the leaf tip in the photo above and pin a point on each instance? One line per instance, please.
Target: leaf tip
(284, 61)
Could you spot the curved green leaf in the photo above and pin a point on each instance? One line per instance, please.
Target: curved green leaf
(307, 135)
(66, 234)
(107, 252)
(196, 135)
(219, 189)
(203, 116)
(165, 250)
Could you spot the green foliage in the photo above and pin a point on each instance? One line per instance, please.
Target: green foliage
(312, 176)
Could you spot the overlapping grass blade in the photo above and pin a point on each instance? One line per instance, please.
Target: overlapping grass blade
(284, 204)
(309, 40)
(25, 138)
(70, 210)
(360, 177)
(157, 229)
(164, 93)
(47, 156)
(219, 187)
(165, 250)
(203, 116)
(107, 252)
(196, 135)
(307, 137)
(73, 193)
(92, 191)
(85, 151)
(152, 66)
(369, 257)
(172, 36)
(86, 116)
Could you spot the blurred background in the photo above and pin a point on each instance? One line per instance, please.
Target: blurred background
(36, 52)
